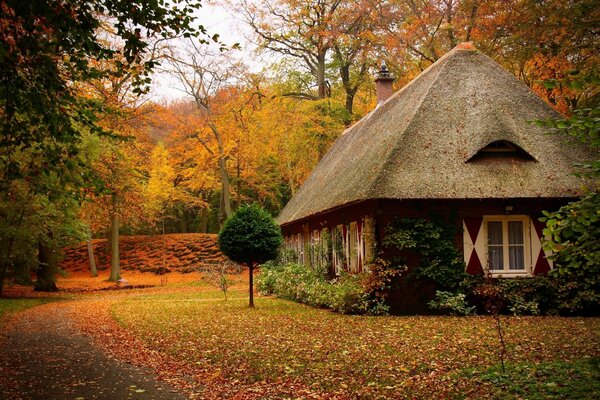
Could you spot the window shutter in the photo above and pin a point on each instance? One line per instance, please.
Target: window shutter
(539, 257)
(474, 245)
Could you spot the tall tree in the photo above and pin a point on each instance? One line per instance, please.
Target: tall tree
(203, 78)
(47, 47)
(536, 40)
(49, 44)
(356, 45)
(298, 29)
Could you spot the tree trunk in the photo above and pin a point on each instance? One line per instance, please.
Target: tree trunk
(238, 183)
(225, 204)
(45, 270)
(348, 89)
(251, 284)
(451, 37)
(92, 257)
(225, 187)
(5, 262)
(115, 263)
(204, 220)
(183, 220)
(3, 268)
(471, 24)
(321, 74)
(349, 106)
(291, 182)
(163, 269)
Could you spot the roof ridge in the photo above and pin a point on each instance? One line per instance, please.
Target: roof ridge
(412, 81)
(441, 64)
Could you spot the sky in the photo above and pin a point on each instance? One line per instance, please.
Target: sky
(216, 19)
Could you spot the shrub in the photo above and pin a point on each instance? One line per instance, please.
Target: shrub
(250, 237)
(539, 295)
(347, 294)
(454, 303)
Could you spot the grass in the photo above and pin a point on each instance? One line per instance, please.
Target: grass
(578, 379)
(365, 357)
(12, 306)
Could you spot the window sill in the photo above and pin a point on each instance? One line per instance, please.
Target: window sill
(511, 274)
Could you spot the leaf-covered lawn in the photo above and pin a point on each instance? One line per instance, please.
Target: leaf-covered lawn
(12, 306)
(280, 344)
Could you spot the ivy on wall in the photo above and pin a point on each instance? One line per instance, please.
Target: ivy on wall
(433, 242)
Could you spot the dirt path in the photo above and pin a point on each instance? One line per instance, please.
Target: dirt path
(43, 356)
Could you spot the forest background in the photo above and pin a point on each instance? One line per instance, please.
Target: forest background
(253, 118)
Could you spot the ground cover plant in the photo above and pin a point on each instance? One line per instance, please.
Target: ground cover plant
(281, 343)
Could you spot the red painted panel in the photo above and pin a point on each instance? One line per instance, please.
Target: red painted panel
(474, 266)
(539, 227)
(542, 266)
(473, 226)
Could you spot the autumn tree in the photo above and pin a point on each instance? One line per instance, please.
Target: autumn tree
(48, 46)
(40, 216)
(357, 45)
(297, 29)
(250, 237)
(325, 44)
(536, 41)
(203, 79)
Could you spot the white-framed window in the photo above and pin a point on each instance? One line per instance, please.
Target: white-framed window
(507, 245)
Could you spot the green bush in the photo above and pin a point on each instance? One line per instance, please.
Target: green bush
(250, 236)
(539, 295)
(454, 303)
(347, 294)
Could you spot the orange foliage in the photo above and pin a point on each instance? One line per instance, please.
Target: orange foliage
(184, 253)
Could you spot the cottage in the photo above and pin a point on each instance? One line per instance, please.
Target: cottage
(458, 142)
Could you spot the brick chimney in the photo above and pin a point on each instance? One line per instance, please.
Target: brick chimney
(383, 82)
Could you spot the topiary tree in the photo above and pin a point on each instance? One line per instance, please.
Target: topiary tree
(250, 237)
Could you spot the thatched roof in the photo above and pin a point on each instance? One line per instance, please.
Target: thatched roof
(417, 144)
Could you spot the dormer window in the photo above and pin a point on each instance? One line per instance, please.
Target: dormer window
(501, 149)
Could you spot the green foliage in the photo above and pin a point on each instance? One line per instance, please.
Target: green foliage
(30, 220)
(48, 46)
(250, 236)
(574, 295)
(573, 232)
(540, 295)
(348, 294)
(577, 379)
(584, 126)
(432, 241)
(454, 303)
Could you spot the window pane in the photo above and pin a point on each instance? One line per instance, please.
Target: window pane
(494, 232)
(517, 257)
(495, 257)
(515, 232)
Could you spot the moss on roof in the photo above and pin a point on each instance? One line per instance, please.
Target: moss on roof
(416, 144)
